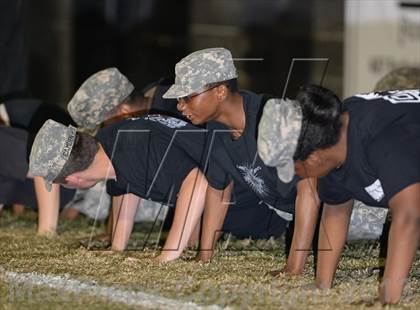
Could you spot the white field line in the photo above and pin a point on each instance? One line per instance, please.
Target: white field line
(128, 297)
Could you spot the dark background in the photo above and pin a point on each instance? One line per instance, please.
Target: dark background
(49, 47)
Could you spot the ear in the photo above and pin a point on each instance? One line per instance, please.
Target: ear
(222, 92)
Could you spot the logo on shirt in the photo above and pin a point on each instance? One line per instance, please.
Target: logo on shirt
(170, 122)
(251, 177)
(394, 96)
(369, 96)
(375, 190)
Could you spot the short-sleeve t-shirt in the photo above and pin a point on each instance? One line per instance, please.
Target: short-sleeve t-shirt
(239, 160)
(383, 149)
(147, 158)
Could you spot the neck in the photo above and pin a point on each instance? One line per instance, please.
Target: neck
(232, 114)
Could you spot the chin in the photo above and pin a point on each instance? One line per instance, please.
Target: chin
(195, 121)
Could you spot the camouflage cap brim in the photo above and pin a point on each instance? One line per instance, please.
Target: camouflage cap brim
(48, 185)
(177, 91)
(278, 135)
(286, 171)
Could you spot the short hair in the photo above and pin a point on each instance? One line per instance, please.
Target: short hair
(321, 121)
(82, 154)
(232, 84)
(400, 79)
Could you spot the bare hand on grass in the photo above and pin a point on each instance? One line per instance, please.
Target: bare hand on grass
(284, 272)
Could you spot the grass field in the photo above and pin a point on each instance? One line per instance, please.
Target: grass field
(237, 278)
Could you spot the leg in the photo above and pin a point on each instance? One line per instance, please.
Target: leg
(69, 214)
(48, 207)
(189, 207)
(18, 209)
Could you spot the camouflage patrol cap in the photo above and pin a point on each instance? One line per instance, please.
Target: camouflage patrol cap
(400, 79)
(278, 135)
(51, 150)
(200, 68)
(97, 96)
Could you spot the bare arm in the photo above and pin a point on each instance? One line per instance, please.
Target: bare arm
(216, 206)
(332, 237)
(189, 208)
(403, 242)
(306, 214)
(48, 206)
(124, 209)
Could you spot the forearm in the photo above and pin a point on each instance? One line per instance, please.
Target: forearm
(48, 206)
(189, 208)
(402, 247)
(332, 237)
(306, 214)
(124, 210)
(217, 204)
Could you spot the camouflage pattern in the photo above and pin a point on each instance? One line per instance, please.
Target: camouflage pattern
(366, 222)
(51, 150)
(278, 135)
(98, 96)
(400, 79)
(200, 68)
(95, 203)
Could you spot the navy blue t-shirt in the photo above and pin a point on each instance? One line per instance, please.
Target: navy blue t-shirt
(239, 160)
(383, 149)
(147, 158)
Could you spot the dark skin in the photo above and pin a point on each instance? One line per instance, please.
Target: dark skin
(404, 235)
(226, 107)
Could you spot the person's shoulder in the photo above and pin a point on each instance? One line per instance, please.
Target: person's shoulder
(390, 97)
(113, 128)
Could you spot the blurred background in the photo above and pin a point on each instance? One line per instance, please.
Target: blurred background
(49, 47)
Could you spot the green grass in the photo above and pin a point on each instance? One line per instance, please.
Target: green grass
(237, 277)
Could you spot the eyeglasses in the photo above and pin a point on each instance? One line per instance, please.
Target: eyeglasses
(188, 98)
